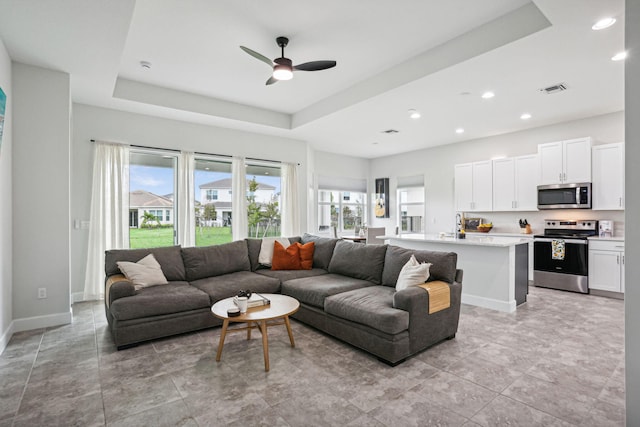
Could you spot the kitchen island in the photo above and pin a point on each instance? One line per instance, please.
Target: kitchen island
(495, 268)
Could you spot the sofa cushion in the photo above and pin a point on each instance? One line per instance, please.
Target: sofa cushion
(284, 275)
(413, 273)
(175, 297)
(144, 273)
(357, 260)
(285, 258)
(323, 249)
(228, 285)
(169, 259)
(372, 306)
(306, 255)
(267, 248)
(216, 260)
(313, 290)
(254, 245)
(443, 264)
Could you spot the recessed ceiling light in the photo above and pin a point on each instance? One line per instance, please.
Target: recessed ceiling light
(460, 130)
(619, 56)
(266, 173)
(145, 64)
(207, 169)
(603, 23)
(414, 114)
(525, 116)
(488, 95)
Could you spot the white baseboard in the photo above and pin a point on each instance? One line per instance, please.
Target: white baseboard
(6, 337)
(46, 321)
(77, 297)
(490, 303)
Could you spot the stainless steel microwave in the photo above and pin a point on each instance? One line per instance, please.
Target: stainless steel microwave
(565, 196)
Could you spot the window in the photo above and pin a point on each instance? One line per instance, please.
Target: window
(411, 208)
(151, 187)
(213, 201)
(263, 199)
(212, 195)
(344, 210)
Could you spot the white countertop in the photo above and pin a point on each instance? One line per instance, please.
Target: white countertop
(472, 239)
(611, 239)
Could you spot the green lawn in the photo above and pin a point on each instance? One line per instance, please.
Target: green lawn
(153, 237)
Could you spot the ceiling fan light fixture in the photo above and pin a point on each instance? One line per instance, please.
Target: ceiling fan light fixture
(414, 114)
(282, 72)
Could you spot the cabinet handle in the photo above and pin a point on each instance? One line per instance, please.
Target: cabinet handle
(564, 176)
(618, 259)
(620, 201)
(622, 259)
(560, 177)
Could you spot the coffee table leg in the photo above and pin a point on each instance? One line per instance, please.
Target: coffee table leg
(249, 330)
(265, 344)
(223, 334)
(286, 322)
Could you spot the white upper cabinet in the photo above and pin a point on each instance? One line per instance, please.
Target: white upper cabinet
(473, 187)
(608, 177)
(514, 183)
(504, 184)
(565, 161)
(527, 183)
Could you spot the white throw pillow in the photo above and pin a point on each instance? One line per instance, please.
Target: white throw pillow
(412, 274)
(144, 273)
(266, 250)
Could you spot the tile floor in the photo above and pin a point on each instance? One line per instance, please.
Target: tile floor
(557, 361)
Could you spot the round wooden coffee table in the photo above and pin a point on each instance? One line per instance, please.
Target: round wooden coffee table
(257, 317)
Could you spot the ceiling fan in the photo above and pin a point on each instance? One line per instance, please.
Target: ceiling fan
(283, 68)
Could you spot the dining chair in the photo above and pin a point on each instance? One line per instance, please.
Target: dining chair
(372, 232)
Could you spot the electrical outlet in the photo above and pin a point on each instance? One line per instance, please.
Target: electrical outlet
(42, 293)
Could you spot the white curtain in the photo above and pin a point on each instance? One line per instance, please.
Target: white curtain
(290, 209)
(186, 200)
(239, 223)
(109, 218)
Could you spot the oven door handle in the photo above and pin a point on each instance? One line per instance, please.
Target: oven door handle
(576, 241)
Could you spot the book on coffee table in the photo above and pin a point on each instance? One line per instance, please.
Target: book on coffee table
(257, 300)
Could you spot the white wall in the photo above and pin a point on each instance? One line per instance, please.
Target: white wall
(118, 126)
(437, 166)
(41, 177)
(632, 238)
(6, 223)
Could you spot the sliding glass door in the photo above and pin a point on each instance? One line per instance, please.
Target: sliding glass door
(152, 214)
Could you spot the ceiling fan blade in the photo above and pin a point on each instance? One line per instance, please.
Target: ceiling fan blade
(315, 65)
(271, 81)
(258, 56)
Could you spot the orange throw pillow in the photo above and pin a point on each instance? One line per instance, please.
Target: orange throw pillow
(306, 255)
(285, 259)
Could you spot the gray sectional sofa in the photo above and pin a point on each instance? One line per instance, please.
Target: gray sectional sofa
(349, 293)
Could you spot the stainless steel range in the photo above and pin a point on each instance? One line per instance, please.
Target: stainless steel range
(561, 255)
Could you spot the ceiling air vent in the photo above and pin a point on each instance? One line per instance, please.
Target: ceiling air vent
(390, 131)
(554, 88)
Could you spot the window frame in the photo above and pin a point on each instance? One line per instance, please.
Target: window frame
(400, 204)
(340, 204)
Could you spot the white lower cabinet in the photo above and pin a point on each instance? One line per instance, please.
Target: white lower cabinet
(606, 265)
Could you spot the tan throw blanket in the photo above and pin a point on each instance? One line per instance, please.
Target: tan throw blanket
(439, 295)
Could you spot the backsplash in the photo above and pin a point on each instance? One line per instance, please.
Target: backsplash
(507, 222)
